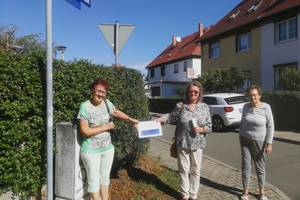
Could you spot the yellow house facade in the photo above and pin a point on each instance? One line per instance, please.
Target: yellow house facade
(247, 60)
(258, 37)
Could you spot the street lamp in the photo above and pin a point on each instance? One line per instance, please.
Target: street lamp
(61, 49)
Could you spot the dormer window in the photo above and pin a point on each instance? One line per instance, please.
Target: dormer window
(233, 16)
(254, 7)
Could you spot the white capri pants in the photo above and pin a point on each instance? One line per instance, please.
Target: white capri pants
(98, 167)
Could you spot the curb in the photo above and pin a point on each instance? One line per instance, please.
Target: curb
(280, 139)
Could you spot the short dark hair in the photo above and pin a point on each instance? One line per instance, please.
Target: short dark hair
(254, 87)
(100, 82)
(198, 85)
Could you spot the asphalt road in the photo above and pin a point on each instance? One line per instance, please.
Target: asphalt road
(283, 165)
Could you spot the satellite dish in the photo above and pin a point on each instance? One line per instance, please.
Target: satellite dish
(178, 39)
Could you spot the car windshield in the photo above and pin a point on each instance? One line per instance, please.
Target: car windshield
(236, 100)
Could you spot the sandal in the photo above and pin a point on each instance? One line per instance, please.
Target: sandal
(244, 197)
(263, 197)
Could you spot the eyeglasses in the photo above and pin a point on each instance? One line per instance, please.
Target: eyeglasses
(253, 95)
(100, 91)
(193, 91)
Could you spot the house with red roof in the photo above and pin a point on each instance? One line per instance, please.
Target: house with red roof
(258, 37)
(176, 66)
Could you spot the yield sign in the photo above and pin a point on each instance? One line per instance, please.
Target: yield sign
(116, 35)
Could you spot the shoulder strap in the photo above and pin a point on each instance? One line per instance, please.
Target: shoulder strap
(107, 108)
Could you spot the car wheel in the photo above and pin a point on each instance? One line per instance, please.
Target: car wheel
(217, 124)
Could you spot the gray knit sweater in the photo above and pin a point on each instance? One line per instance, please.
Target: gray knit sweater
(257, 123)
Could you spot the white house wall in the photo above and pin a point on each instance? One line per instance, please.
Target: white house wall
(171, 81)
(181, 76)
(274, 54)
(170, 89)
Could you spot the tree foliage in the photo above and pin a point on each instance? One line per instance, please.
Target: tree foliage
(290, 79)
(223, 80)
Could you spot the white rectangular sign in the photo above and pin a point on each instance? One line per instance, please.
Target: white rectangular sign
(149, 129)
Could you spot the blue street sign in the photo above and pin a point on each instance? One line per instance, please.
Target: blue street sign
(75, 3)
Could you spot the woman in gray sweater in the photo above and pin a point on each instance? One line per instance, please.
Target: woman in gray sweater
(256, 136)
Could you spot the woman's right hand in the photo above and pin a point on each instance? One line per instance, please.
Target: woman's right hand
(161, 120)
(110, 125)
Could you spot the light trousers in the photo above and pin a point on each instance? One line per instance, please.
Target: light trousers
(98, 166)
(253, 150)
(189, 166)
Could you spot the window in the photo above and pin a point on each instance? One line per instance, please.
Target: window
(243, 42)
(155, 91)
(215, 50)
(286, 30)
(278, 71)
(176, 68)
(152, 73)
(236, 100)
(163, 71)
(210, 100)
(254, 7)
(185, 63)
(234, 15)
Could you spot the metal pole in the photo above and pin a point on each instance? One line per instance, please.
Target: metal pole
(116, 43)
(49, 101)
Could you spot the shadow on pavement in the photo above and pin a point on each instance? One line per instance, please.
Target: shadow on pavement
(217, 186)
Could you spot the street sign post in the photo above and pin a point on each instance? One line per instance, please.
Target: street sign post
(116, 36)
(49, 88)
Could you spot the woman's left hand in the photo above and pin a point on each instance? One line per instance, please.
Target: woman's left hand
(268, 148)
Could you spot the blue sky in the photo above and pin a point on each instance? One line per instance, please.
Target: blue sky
(155, 22)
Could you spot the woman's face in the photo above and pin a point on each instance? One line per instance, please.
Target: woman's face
(98, 94)
(194, 93)
(254, 97)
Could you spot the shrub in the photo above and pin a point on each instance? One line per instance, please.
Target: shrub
(72, 86)
(290, 79)
(285, 107)
(22, 162)
(222, 80)
(22, 113)
(163, 105)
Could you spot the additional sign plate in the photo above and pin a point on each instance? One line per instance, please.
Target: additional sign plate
(149, 129)
(75, 3)
(87, 2)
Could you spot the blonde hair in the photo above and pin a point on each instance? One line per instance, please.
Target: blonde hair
(198, 85)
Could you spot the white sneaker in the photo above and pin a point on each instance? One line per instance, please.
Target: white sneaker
(263, 197)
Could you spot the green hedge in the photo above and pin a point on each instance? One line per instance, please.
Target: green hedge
(163, 105)
(22, 114)
(22, 163)
(286, 108)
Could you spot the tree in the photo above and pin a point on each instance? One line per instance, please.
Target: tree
(223, 80)
(7, 37)
(290, 79)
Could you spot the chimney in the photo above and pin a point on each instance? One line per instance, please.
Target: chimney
(200, 29)
(173, 41)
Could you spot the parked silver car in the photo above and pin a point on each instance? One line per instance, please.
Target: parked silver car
(225, 109)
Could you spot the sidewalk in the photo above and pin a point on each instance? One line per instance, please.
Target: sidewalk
(218, 180)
